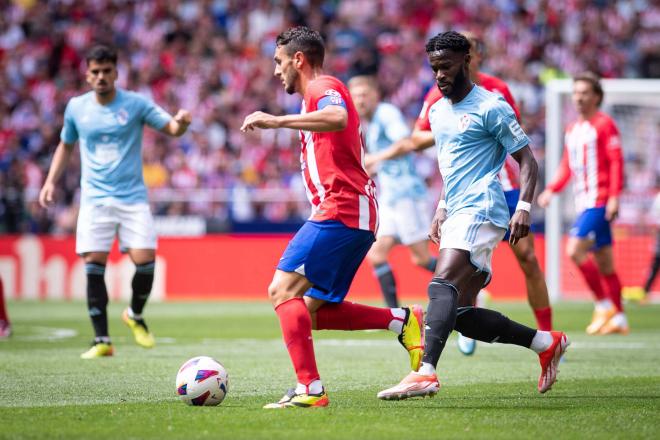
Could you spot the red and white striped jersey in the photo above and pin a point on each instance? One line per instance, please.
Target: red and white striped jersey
(337, 184)
(509, 175)
(593, 155)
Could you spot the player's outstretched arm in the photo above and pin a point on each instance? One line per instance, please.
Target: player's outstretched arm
(419, 140)
(559, 182)
(330, 118)
(57, 167)
(529, 170)
(178, 125)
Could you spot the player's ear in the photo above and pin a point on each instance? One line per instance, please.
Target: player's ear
(467, 59)
(298, 60)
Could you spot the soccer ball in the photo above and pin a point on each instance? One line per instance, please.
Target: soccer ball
(202, 381)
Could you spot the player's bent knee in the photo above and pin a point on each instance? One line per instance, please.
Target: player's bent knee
(529, 263)
(278, 293)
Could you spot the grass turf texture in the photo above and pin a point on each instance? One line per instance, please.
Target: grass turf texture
(609, 387)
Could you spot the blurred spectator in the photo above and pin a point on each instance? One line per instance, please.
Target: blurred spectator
(215, 58)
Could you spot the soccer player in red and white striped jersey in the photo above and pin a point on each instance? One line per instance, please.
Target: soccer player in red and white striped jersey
(593, 156)
(317, 268)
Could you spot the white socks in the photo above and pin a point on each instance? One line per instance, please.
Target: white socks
(620, 320)
(426, 369)
(396, 324)
(541, 342)
(316, 387)
(603, 305)
(133, 315)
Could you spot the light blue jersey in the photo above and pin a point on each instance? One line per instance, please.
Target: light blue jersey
(473, 138)
(397, 178)
(111, 144)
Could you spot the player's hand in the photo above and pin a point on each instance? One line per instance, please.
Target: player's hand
(260, 120)
(183, 117)
(519, 226)
(47, 195)
(612, 209)
(370, 164)
(438, 219)
(544, 198)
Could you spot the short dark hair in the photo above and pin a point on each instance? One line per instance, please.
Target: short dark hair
(450, 40)
(594, 81)
(101, 53)
(305, 40)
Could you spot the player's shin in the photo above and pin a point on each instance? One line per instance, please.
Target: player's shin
(296, 327)
(491, 326)
(352, 316)
(97, 300)
(142, 282)
(440, 319)
(387, 284)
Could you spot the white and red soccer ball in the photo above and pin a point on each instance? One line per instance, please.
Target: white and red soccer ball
(202, 381)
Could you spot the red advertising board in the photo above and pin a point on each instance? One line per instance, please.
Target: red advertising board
(240, 267)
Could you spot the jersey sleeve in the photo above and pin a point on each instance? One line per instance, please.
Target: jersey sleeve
(563, 174)
(422, 123)
(323, 93)
(69, 133)
(154, 115)
(612, 144)
(502, 124)
(508, 97)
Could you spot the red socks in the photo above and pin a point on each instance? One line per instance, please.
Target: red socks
(614, 290)
(297, 333)
(591, 275)
(3, 310)
(351, 316)
(544, 318)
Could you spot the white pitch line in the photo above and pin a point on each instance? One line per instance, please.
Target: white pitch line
(47, 334)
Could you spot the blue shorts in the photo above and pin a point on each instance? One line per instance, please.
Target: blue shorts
(512, 198)
(328, 254)
(592, 225)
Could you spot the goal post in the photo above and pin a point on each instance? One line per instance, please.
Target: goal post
(634, 104)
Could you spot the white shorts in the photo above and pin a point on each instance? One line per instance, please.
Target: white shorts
(409, 220)
(99, 224)
(475, 234)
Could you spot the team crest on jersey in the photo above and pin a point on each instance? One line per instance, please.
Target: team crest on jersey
(122, 116)
(464, 122)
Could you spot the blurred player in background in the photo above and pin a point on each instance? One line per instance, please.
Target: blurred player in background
(5, 325)
(474, 129)
(642, 293)
(592, 153)
(422, 138)
(108, 122)
(318, 266)
(404, 213)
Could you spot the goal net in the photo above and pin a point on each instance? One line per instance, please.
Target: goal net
(635, 106)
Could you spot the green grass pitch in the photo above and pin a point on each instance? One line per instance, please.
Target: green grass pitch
(609, 387)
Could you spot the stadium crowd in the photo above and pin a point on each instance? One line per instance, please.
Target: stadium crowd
(214, 57)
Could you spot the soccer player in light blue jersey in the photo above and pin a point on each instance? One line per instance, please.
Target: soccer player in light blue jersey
(474, 130)
(107, 122)
(404, 213)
